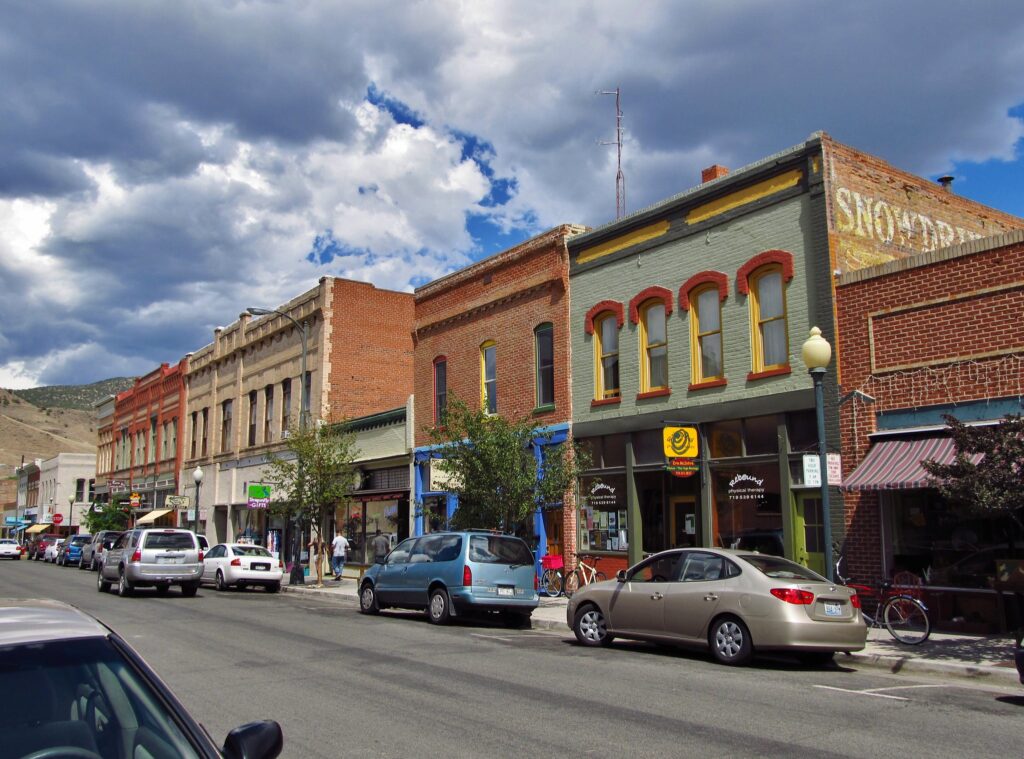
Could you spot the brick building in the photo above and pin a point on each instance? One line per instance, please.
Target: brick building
(689, 316)
(244, 390)
(932, 335)
(496, 333)
(146, 445)
(104, 411)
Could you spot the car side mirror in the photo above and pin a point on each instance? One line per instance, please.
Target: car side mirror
(255, 740)
(621, 575)
(379, 559)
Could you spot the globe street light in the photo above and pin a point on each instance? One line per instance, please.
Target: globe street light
(297, 577)
(816, 354)
(197, 475)
(71, 511)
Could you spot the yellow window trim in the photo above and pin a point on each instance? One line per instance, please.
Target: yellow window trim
(483, 371)
(600, 393)
(696, 362)
(756, 344)
(645, 348)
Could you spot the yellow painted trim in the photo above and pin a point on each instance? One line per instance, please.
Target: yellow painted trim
(601, 392)
(696, 362)
(487, 344)
(747, 195)
(756, 343)
(620, 243)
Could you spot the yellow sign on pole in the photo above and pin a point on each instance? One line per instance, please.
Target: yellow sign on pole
(680, 442)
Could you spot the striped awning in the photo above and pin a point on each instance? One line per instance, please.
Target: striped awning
(152, 516)
(896, 464)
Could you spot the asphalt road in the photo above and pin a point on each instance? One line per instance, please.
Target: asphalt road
(345, 685)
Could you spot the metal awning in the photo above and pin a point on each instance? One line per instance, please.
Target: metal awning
(895, 464)
(36, 528)
(152, 516)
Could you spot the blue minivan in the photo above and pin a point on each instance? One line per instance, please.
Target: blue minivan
(451, 574)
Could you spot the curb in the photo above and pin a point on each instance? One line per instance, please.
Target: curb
(912, 665)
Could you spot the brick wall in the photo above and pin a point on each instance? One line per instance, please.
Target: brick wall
(371, 352)
(945, 327)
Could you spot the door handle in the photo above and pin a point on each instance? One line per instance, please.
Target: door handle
(657, 597)
(711, 597)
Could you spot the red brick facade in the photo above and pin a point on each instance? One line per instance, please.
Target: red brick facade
(502, 299)
(371, 353)
(937, 329)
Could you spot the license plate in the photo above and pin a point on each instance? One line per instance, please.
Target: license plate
(506, 591)
(261, 567)
(168, 560)
(833, 609)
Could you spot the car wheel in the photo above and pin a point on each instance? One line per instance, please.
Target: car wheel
(368, 599)
(273, 587)
(730, 641)
(816, 658)
(190, 589)
(162, 588)
(439, 610)
(81, 565)
(101, 585)
(221, 583)
(124, 588)
(590, 627)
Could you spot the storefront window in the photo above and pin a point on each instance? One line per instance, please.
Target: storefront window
(652, 513)
(648, 447)
(761, 435)
(802, 427)
(725, 439)
(603, 514)
(747, 508)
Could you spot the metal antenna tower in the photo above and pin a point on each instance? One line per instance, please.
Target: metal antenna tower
(620, 178)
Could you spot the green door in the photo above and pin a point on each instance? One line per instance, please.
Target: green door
(809, 529)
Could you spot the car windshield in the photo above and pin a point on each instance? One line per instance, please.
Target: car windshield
(498, 549)
(177, 540)
(251, 551)
(82, 694)
(80, 540)
(781, 569)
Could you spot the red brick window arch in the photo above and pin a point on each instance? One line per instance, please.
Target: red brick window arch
(702, 295)
(598, 309)
(604, 321)
(763, 279)
(780, 258)
(651, 293)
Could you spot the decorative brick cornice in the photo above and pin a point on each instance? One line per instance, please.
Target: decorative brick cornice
(717, 278)
(606, 305)
(655, 292)
(780, 257)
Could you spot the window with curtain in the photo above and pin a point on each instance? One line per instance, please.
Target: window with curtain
(225, 426)
(606, 350)
(440, 389)
(706, 335)
(286, 405)
(544, 354)
(206, 427)
(252, 417)
(768, 320)
(654, 344)
(268, 413)
(489, 376)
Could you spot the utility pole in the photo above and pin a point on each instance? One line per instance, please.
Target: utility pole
(620, 178)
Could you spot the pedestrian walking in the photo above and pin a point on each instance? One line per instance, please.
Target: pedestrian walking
(381, 545)
(339, 549)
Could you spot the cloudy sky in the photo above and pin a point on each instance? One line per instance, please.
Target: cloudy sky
(163, 165)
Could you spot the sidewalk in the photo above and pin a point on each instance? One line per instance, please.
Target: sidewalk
(988, 657)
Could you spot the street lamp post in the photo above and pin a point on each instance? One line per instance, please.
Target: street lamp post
(197, 475)
(816, 354)
(71, 511)
(296, 577)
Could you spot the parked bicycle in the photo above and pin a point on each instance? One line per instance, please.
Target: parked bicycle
(552, 579)
(893, 605)
(583, 575)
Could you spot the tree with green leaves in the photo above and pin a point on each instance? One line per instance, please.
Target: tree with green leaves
(312, 477)
(984, 478)
(109, 516)
(492, 469)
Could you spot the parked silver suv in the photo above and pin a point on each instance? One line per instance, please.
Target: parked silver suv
(152, 558)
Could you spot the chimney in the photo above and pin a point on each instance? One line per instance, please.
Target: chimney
(946, 180)
(713, 172)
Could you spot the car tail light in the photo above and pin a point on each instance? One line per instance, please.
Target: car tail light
(137, 556)
(467, 576)
(280, 563)
(793, 595)
(855, 601)
(236, 562)
(200, 554)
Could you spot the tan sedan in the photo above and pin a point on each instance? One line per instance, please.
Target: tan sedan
(733, 602)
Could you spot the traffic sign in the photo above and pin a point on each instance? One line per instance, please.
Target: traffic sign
(58, 518)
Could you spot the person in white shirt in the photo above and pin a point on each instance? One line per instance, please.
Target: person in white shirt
(339, 549)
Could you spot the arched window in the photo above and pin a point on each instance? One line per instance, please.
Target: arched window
(489, 377)
(653, 346)
(544, 363)
(706, 363)
(606, 356)
(769, 333)
(440, 389)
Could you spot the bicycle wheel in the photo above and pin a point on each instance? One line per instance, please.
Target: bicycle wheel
(600, 577)
(573, 580)
(906, 619)
(551, 582)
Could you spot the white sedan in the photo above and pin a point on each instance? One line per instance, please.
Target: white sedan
(240, 564)
(51, 551)
(9, 549)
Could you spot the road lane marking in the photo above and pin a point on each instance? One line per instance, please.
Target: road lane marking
(903, 687)
(862, 692)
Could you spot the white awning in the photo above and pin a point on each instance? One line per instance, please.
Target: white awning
(36, 528)
(152, 516)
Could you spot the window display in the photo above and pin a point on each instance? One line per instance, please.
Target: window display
(603, 515)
